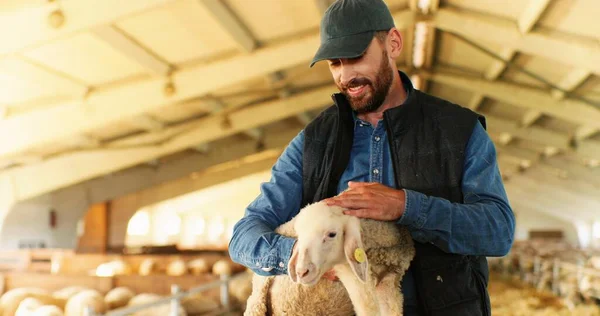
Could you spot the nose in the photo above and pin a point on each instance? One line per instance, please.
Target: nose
(303, 272)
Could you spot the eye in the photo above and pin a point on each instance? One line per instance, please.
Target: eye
(331, 234)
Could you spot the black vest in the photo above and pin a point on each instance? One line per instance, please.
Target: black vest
(428, 138)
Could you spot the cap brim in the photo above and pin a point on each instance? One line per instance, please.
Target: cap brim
(351, 46)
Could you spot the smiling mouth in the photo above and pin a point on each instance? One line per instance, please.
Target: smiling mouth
(356, 90)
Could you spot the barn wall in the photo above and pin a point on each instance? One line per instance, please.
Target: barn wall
(529, 220)
(29, 220)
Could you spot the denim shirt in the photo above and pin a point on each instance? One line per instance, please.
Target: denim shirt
(483, 225)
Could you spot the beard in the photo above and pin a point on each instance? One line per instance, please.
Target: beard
(372, 99)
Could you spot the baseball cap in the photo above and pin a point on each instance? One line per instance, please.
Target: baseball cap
(348, 26)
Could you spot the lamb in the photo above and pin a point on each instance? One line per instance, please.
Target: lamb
(77, 304)
(34, 307)
(10, 301)
(177, 267)
(369, 257)
(160, 310)
(118, 297)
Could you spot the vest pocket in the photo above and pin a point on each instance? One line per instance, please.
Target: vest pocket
(451, 289)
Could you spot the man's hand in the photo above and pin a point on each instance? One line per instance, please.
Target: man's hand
(371, 200)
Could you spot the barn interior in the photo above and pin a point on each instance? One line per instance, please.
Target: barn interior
(133, 135)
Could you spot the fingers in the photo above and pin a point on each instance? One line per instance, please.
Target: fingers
(361, 212)
(350, 201)
(353, 184)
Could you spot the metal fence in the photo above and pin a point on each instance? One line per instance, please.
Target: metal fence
(174, 299)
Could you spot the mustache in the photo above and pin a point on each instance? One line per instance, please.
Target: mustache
(355, 82)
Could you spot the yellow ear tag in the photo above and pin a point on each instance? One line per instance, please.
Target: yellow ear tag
(359, 255)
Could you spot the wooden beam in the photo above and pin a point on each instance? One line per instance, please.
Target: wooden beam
(585, 131)
(571, 52)
(131, 49)
(588, 148)
(232, 25)
(530, 98)
(132, 99)
(530, 117)
(34, 29)
(572, 170)
(147, 123)
(493, 72)
(526, 21)
(571, 81)
(73, 168)
(534, 134)
(26, 69)
(531, 14)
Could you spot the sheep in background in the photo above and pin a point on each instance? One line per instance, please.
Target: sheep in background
(177, 267)
(160, 310)
(118, 297)
(77, 304)
(198, 304)
(68, 292)
(199, 266)
(114, 267)
(226, 267)
(47, 310)
(148, 267)
(369, 257)
(27, 306)
(9, 302)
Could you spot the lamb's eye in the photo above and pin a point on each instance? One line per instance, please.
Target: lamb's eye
(331, 234)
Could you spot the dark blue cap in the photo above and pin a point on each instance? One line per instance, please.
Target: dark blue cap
(348, 26)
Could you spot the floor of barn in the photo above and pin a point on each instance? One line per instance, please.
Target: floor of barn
(510, 297)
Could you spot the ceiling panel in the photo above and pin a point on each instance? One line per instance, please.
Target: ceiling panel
(454, 95)
(275, 19)
(572, 17)
(509, 9)
(549, 70)
(452, 51)
(86, 58)
(502, 110)
(557, 125)
(187, 31)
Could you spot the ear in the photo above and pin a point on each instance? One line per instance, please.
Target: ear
(292, 265)
(352, 242)
(395, 43)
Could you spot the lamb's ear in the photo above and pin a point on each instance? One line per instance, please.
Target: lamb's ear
(354, 249)
(292, 265)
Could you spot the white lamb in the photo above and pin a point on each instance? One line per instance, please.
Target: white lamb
(369, 257)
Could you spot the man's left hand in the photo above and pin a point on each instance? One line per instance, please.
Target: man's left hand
(371, 200)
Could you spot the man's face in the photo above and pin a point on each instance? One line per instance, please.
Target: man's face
(366, 80)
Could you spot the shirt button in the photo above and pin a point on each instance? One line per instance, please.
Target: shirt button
(377, 138)
(281, 265)
(376, 171)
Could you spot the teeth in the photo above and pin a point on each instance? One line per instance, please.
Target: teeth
(356, 88)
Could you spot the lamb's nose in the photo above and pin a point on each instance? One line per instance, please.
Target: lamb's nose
(302, 273)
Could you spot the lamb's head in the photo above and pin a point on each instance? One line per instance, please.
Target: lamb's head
(326, 237)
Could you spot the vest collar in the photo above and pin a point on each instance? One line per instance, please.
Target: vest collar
(403, 115)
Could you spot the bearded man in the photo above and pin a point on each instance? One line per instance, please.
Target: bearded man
(387, 151)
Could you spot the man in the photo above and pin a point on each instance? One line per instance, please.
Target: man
(403, 156)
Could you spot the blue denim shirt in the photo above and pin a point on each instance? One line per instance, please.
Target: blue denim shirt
(483, 225)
